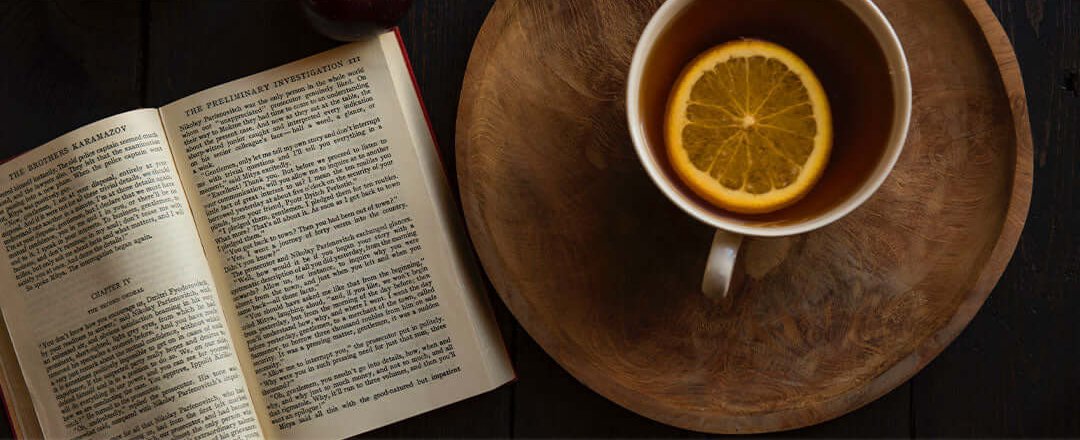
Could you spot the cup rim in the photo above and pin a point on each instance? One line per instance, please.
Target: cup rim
(893, 50)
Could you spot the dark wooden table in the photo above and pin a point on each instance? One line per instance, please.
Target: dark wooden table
(1015, 371)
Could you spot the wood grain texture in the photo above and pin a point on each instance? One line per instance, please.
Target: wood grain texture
(602, 270)
(549, 403)
(1013, 372)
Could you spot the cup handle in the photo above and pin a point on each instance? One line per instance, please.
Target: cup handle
(720, 271)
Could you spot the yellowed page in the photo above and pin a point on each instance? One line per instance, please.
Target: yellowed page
(456, 246)
(106, 292)
(337, 250)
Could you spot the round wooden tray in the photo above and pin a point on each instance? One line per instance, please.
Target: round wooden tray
(604, 272)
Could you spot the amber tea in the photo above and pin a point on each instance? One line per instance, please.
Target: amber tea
(837, 46)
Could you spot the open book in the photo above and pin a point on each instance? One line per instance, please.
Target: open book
(278, 256)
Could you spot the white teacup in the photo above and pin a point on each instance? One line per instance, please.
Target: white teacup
(855, 53)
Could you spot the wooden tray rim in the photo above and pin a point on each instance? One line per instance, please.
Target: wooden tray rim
(1015, 216)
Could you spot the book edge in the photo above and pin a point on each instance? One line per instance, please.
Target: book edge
(498, 367)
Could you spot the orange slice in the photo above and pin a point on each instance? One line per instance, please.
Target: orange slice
(748, 127)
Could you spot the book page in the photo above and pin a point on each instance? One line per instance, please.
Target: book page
(106, 292)
(349, 290)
